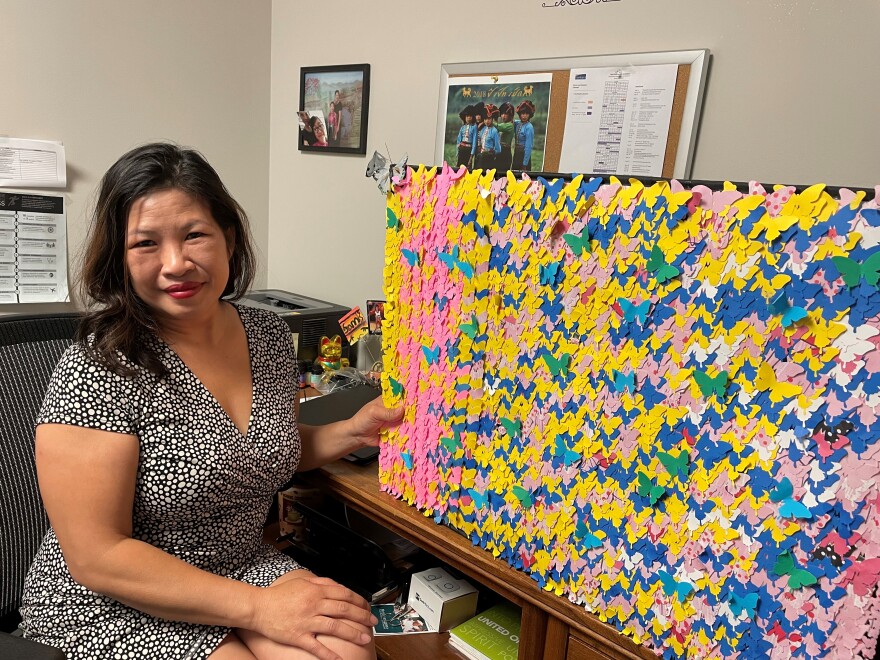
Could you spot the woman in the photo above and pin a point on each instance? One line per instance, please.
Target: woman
(319, 131)
(333, 125)
(166, 431)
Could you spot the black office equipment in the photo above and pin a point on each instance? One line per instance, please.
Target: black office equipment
(341, 405)
(334, 550)
(308, 318)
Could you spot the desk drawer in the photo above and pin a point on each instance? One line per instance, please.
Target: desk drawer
(580, 650)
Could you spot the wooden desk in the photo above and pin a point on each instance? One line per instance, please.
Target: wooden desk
(552, 628)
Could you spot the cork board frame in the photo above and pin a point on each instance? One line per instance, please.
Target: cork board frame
(693, 68)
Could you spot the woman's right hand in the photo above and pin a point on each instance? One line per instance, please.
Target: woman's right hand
(294, 611)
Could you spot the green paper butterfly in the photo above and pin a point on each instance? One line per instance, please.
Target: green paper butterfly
(524, 496)
(391, 219)
(579, 244)
(663, 272)
(396, 387)
(797, 577)
(710, 385)
(451, 444)
(511, 426)
(558, 365)
(675, 465)
(852, 271)
(470, 328)
(647, 488)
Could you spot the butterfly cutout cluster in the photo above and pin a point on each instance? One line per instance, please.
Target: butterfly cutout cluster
(659, 402)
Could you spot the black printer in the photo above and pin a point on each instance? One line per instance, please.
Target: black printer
(308, 318)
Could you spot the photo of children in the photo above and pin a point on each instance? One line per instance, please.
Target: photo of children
(497, 122)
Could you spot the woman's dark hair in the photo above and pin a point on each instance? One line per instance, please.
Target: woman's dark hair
(117, 317)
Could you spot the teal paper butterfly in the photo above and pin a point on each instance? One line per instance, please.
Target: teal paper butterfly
(780, 306)
(481, 500)
(411, 257)
(407, 459)
(624, 381)
(568, 456)
(747, 604)
(391, 219)
(452, 261)
(789, 507)
(671, 586)
(432, 355)
(632, 312)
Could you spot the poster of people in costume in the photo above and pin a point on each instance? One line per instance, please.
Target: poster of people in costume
(497, 122)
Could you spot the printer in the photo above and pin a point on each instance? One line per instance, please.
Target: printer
(309, 319)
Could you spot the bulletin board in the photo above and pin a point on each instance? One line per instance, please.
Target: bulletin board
(686, 102)
(658, 400)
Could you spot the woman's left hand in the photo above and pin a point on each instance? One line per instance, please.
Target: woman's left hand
(368, 422)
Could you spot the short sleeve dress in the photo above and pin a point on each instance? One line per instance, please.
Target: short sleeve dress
(202, 492)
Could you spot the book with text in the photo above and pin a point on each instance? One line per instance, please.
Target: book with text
(491, 635)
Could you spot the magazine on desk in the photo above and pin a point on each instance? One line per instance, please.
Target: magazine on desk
(491, 635)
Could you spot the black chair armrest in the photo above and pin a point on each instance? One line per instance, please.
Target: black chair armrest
(25, 649)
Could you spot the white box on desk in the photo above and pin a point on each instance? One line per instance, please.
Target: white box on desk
(442, 600)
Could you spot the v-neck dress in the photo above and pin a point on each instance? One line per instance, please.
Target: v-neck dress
(202, 490)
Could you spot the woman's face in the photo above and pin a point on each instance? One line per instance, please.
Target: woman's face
(177, 256)
(332, 106)
(320, 131)
(506, 117)
(524, 116)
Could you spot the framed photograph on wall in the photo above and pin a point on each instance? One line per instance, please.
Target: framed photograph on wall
(334, 103)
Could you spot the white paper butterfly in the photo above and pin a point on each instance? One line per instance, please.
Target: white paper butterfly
(379, 169)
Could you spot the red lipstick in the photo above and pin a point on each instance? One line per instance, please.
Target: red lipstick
(183, 290)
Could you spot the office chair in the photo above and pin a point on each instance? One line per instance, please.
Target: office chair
(30, 347)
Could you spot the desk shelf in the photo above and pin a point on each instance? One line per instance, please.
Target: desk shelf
(552, 628)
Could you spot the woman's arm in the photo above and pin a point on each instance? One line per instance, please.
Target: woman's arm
(87, 480)
(323, 444)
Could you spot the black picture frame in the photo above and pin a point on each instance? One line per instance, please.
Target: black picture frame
(347, 85)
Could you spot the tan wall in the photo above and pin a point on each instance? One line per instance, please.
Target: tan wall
(103, 76)
(792, 97)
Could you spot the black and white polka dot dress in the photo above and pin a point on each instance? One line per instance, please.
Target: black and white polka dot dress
(202, 494)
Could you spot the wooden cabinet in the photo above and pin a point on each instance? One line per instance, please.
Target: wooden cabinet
(552, 627)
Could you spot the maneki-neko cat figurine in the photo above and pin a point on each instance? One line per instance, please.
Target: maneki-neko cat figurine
(330, 353)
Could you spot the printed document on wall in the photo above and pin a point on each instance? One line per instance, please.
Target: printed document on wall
(33, 248)
(617, 119)
(32, 164)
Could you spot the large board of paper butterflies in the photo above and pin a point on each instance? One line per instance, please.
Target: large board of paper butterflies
(660, 402)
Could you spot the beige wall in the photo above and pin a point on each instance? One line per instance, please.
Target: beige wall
(792, 94)
(792, 97)
(103, 76)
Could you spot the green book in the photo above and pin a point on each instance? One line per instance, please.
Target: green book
(491, 635)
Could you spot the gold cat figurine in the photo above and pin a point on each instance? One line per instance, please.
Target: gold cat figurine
(330, 352)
